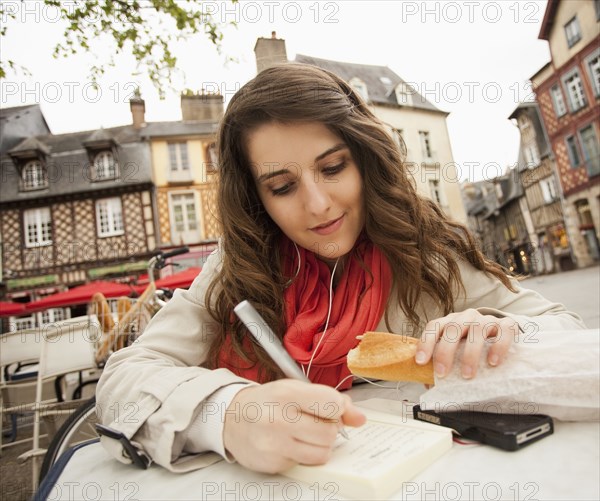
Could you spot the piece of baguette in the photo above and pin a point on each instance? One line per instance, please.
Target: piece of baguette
(390, 357)
(101, 309)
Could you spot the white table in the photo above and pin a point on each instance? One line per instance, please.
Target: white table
(563, 466)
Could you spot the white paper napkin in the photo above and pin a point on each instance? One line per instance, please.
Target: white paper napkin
(552, 372)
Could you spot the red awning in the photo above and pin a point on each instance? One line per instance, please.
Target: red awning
(142, 280)
(80, 295)
(181, 280)
(8, 309)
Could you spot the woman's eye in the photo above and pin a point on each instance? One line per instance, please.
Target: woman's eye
(334, 169)
(282, 190)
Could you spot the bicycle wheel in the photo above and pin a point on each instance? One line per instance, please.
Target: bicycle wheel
(79, 427)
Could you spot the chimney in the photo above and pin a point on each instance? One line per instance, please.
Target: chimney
(201, 106)
(138, 110)
(269, 51)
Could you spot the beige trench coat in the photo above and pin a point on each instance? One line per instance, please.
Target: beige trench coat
(151, 391)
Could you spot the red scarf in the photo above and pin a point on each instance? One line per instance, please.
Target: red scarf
(359, 302)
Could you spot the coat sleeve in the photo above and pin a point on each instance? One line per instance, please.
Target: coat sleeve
(530, 309)
(151, 390)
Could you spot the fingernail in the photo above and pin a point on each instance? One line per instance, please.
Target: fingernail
(440, 370)
(420, 357)
(467, 372)
(493, 360)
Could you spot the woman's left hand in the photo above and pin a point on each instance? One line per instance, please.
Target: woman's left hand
(441, 337)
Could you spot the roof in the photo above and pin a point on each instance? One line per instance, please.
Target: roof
(376, 79)
(482, 199)
(548, 20)
(532, 110)
(179, 128)
(68, 160)
(532, 77)
(7, 112)
(20, 122)
(522, 106)
(30, 144)
(512, 188)
(100, 136)
(58, 143)
(73, 141)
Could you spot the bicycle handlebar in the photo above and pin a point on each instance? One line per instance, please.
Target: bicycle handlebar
(175, 252)
(159, 260)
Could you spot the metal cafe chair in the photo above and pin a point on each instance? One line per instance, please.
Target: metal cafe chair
(66, 347)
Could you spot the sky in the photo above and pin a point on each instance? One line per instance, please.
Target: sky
(472, 59)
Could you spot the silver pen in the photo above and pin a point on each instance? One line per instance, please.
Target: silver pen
(271, 343)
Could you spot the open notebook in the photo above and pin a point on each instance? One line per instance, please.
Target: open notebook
(379, 456)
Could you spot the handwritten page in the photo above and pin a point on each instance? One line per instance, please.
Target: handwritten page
(375, 445)
(378, 456)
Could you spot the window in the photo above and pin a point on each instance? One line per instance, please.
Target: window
(597, 7)
(211, 158)
(22, 323)
(398, 136)
(404, 94)
(549, 191)
(109, 217)
(435, 191)
(184, 212)
(573, 32)
(573, 151)
(178, 157)
(593, 68)
(524, 123)
(575, 91)
(185, 227)
(38, 227)
(360, 87)
(591, 153)
(33, 175)
(532, 156)
(105, 166)
(53, 315)
(425, 144)
(584, 211)
(560, 108)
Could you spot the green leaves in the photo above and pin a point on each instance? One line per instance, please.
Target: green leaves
(145, 29)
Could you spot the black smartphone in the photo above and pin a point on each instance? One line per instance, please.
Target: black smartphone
(510, 432)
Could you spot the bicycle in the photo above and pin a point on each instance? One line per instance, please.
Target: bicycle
(80, 426)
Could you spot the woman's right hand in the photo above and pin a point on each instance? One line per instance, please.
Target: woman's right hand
(271, 427)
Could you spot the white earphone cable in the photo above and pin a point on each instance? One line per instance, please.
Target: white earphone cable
(327, 321)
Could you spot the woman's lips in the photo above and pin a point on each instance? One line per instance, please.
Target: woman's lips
(329, 227)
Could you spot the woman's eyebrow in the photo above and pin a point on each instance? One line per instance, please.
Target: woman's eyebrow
(271, 174)
(333, 149)
(329, 151)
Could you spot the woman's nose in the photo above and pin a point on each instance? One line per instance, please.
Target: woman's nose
(318, 199)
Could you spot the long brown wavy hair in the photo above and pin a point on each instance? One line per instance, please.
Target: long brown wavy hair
(421, 244)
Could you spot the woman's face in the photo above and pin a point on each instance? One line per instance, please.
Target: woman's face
(309, 185)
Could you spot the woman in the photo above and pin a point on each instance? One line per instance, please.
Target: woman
(324, 233)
